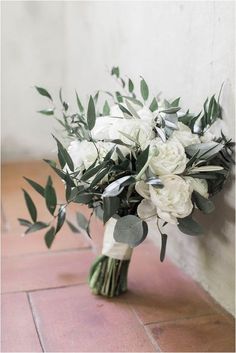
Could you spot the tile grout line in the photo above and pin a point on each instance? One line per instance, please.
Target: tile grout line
(35, 322)
(148, 334)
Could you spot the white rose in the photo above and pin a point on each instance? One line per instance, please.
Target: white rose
(214, 131)
(184, 135)
(102, 127)
(167, 157)
(84, 153)
(146, 115)
(199, 185)
(139, 130)
(171, 202)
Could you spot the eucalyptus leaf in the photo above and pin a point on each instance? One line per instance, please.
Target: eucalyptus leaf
(144, 89)
(91, 114)
(43, 92)
(35, 186)
(154, 105)
(36, 226)
(50, 196)
(46, 111)
(82, 221)
(72, 227)
(130, 230)
(110, 207)
(31, 206)
(189, 226)
(61, 218)
(49, 237)
(142, 159)
(205, 205)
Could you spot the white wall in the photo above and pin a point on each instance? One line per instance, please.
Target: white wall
(181, 48)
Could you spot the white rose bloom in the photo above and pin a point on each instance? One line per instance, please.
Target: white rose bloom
(84, 153)
(199, 185)
(184, 135)
(169, 203)
(146, 115)
(138, 129)
(173, 200)
(167, 157)
(214, 131)
(102, 127)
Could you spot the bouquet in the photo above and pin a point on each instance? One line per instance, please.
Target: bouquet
(139, 158)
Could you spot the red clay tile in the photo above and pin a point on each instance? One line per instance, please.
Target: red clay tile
(17, 244)
(74, 320)
(160, 291)
(18, 329)
(21, 273)
(211, 333)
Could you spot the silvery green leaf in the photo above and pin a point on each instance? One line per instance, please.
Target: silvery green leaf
(134, 100)
(154, 105)
(144, 89)
(189, 226)
(161, 133)
(206, 168)
(128, 136)
(130, 85)
(115, 188)
(175, 103)
(43, 92)
(91, 114)
(205, 205)
(171, 125)
(131, 109)
(110, 207)
(172, 110)
(46, 111)
(130, 230)
(206, 150)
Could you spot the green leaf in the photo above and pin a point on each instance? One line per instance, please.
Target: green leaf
(73, 228)
(144, 89)
(49, 237)
(110, 207)
(130, 85)
(153, 105)
(36, 226)
(142, 159)
(124, 110)
(205, 205)
(163, 246)
(24, 222)
(119, 97)
(171, 110)
(35, 186)
(91, 172)
(46, 111)
(175, 103)
(91, 114)
(115, 71)
(31, 206)
(99, 177)
(130, 230)
(62, 152)
(81, 108)
(61, 218)
(50, 196)
(82, 221)
(83, 198)
(131, 109)
(206, 150)
(188, 226)
(106, 109)
(98, 212)
(43, 92)
(95, 98)
(133, 100)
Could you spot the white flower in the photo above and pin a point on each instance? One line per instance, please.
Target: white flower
(139, 130)
(146, 115)
(84, 153)
(214, 131)
(184, 135)
(199, 185)
(167, 157)
(171, 202)
(102, 127)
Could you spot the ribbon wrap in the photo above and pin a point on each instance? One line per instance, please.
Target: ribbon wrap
(112, 248)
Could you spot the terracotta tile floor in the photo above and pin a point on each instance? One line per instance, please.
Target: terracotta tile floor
(47, 306)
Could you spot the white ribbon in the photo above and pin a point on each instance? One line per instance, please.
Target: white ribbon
(112, 248)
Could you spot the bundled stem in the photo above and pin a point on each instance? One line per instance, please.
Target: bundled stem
(108, 276)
